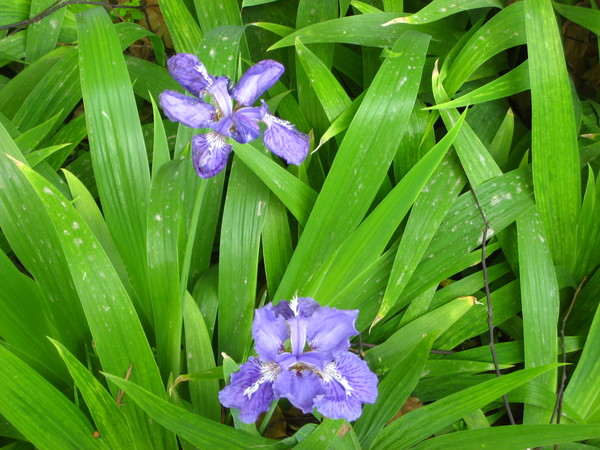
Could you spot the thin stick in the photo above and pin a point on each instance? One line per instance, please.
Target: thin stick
(121, 391)
(61, 4)
(490, 310)
(559, 396)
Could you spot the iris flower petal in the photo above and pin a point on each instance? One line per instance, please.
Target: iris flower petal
(300, 387)
(219, 89)
(349, 383)
(302, 306)
(188, 110)
(210, 153)
(256, 80)
(246, 124)
(189, 72)
(329, 330)
(270, 333)
(282, 138)
(250, 390)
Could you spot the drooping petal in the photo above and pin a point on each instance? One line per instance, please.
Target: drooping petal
(300, 387)
(270, 333)
(329, 330)
(210, 153)
(251, 389)
(256, 80)
(299, 306)
(189, 111)
(246, 126)
(219, 89)
(189, 72)
(349, 383)
(282, 138)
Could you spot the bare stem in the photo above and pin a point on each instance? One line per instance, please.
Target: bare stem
(61, 4)
(490, 310)
(559, 396)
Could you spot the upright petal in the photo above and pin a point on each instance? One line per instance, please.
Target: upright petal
(189, 72)
(189, 111)
(297, 326)
(251, 389)
(270, 333)
(298, 306)
(256, 80)
(349, 383)
(329, 330)
(210, 153)
(246, 126)
(219, 90)
(300, 387)
(282, 138)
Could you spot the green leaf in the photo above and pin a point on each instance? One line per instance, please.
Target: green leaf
(330, 93)
(199, 357)
(357, 171)
(513, 437)
(116, 143)
(43, 34)
(505, 30)
(387, 355)
(367, 243)
(586, 17)
(327, 434)
(394, 389)
(166, 231)
(540, 305)
(511, 83)
(109, 419)
(367, 30)
(243, 218)
(108, 309)
(555, 160)
(228, 13)
(25, 334)
(197, 430)
(421, 423)
(438, 9)
(293, 193)
(424, 219)
(32, 237)
(39, 411)
(184, 30)
(583, 391)
(276, 243)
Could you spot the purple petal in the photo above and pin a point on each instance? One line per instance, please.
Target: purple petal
(219, 89)
(189, 111)
(270, 333)
(210, 153)
(282, 138)
(251, 389)
(302, 306)
(349, 383)
(246, 127)
(329, 330)
(256, 80)
(297, 326)
(300, 387)
(189, 72)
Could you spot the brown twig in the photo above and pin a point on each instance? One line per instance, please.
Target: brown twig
(61, 4)
(490, 310)
(121, 391)
(559, 396)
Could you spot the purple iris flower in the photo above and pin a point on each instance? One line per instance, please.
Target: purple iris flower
(210, 151)
(303, 356)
